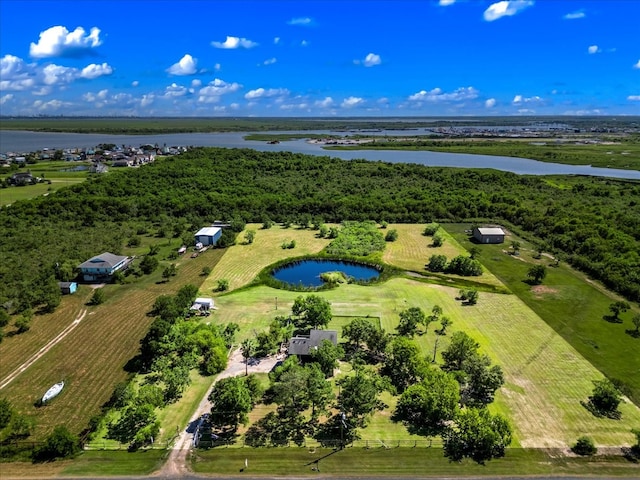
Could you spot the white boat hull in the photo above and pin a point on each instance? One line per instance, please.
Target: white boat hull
(52, 392)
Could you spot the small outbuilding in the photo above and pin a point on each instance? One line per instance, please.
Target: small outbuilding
(488, 234)
(303, 345)
(203, 304)
(208, 235)
(67, 288)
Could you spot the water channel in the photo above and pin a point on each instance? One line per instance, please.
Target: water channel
(23, 141)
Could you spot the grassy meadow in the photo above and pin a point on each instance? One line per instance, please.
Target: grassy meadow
(53, 171)
(546, 377)
(573, 306)
(91, 359)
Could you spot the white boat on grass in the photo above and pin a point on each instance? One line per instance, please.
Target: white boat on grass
(52, 392)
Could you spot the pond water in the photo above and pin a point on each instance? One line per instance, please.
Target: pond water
(307, 272)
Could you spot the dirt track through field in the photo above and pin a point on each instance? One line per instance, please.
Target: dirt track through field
(35, 357)
(176, 465)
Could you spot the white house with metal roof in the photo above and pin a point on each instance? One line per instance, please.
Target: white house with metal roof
(488, 234)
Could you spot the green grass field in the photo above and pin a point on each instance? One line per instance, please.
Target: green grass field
(244, 261)
(56, 172)
(92, 357)
(545, 377)
(573, 306)
(398, 463)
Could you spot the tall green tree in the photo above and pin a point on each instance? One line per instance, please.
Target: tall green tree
(247, 348)
(230, 403)
(358, 397)
(426, 407)
(537, 273)
(311, 311)
(326, 356)
(403, 364)
(410, 319)
(605, 398)
(477, 434)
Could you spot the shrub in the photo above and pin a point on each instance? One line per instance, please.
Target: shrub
(437, 240)
(584, 446)
(223, 285)
(431, 229)
(437, 263)
(391, 236)
(465, 266)
(98, 297)
(60, 444)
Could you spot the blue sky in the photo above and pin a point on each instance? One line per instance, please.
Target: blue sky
(319, 58)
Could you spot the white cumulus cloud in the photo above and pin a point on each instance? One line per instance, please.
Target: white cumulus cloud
(59, 42)
(370, 60)
(186, 66)
(637, 65)
(175, 90)
(519, 99)
(57, 74)
(352, 102)
(94, 71)
(437, 95)
(135, 83)
(490, 103)
(506, 8)
(300, 21)
(6, 98)
(634, 98)
(325, 103)
(270, 61)
(15, 74)
(235, 42)
(276, 40)
(215, 89)
(593, 49)
(446, 3)
(574, 15)
(266, 93)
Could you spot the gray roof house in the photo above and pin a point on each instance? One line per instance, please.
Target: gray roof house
(103, 266)
(303, 345)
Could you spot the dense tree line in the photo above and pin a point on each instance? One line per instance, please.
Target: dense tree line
(593, 221)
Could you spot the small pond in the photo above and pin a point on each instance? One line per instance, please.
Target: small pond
(307, 272)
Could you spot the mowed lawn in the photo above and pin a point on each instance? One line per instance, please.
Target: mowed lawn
(546, 379)
(243, 262)
(92, 357)
(412, 251)
(573, 306)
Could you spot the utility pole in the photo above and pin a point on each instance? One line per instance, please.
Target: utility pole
(435, 349)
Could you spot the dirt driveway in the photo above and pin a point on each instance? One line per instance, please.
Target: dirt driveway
(176, 465)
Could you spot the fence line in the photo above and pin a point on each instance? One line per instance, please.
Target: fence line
(329, 443)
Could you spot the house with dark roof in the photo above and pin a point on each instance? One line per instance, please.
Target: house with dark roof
(304, 345)
(102, 267)
(22, 178)
(488, 234)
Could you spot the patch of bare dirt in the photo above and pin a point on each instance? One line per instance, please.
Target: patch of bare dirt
(540, 290)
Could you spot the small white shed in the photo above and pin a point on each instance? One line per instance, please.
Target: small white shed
(203, 304)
